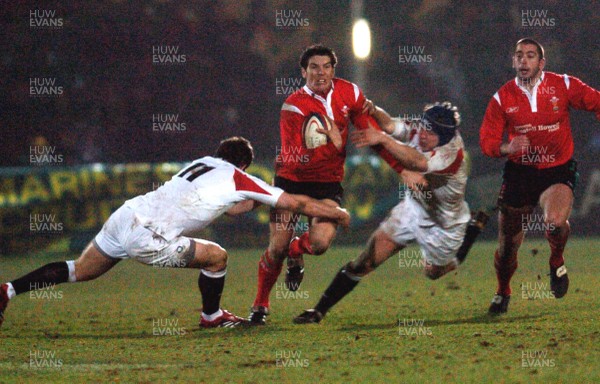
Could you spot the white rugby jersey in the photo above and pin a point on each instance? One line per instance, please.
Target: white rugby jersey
(197, 195)
(444, 202)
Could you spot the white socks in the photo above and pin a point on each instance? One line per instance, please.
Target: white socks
(71, 266)
(214, 275)
(11, 291)
(213, 316)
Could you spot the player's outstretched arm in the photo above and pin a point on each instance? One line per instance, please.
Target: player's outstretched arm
(409, 157)
(242, 207)
(313, 208)
(384, 120)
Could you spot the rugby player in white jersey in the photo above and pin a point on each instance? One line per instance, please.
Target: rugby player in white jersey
(156, 228)
(433, 213)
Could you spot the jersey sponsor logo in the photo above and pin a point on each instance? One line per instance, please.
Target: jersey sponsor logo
(521, 129)
(524, 128)
(512, 109)
(549, 128)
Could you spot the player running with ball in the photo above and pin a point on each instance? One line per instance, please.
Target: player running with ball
(434, 213)
(315, 172)
(534, 110)
(155, 228)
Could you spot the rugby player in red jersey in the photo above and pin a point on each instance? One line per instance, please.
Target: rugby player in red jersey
(533, 109)
(316, 172)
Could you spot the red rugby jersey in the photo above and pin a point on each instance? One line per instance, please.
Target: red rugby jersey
(542, 115)
(343, 104)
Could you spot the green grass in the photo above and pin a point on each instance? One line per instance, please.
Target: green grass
(103, 330)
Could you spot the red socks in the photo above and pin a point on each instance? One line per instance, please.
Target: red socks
(269, 269)
(268, 272)
(300, 246)
(557, 241)
(505, 269)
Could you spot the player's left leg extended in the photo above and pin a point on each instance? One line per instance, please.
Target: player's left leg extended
(557, 203)
(90, 265)
(315, 241)
(380, 247)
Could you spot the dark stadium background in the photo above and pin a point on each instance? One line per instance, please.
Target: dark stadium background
(235, 55)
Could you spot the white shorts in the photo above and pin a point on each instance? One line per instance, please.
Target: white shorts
(438, 245)
(124, 237)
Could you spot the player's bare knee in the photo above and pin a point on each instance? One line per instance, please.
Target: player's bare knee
(92, 264)
(218, 258)
(555, 224)
(360, 268)
(319, 247)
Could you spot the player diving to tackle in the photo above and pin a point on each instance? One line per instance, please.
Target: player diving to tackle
(155, 228)
(434, 212)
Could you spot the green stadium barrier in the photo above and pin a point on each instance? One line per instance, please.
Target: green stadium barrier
(40, 204)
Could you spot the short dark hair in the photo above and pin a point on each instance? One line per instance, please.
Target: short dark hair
(236, 150)
(529, 40)
(317, 50)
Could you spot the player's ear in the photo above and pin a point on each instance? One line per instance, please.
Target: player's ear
(542, 64)
(303, 71)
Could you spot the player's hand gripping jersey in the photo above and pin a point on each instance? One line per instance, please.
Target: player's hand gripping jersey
(542, 115)
(443, 203)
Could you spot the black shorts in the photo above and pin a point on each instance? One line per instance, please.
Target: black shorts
(316, 190)
(523, 185)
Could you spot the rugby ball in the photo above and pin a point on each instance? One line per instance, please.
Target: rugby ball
(313, 139)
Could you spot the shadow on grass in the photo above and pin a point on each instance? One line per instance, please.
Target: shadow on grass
(485, 319)
(193, 333)
(479, 319)
(366, 327)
